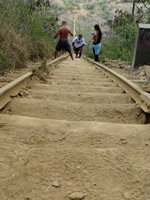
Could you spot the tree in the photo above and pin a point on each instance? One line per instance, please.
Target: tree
(133, 9)
(143, 11)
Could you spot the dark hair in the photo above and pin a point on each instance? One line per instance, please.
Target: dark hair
(64, 22)
(80, 35)
(96, 26)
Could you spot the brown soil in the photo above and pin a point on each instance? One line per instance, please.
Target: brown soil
(74, 137)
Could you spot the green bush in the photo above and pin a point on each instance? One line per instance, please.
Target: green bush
(111, 50)
(26, 32)
(115, 50)
(120, 41)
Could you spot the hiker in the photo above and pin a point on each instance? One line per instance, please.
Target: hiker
(96, 39)
(63, 43)
(78, 44)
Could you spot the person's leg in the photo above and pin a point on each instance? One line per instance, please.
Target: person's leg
(96, 50)
(76, 52)
(55, 54)
(94, 54)
(80, 51)
(67, 47)
(96, 58)
(71, 55)
(58, 48)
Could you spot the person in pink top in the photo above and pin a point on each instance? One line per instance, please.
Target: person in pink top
(63, 43)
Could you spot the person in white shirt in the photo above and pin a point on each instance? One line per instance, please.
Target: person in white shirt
(78, 44)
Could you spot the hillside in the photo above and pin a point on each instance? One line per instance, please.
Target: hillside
(87, 13)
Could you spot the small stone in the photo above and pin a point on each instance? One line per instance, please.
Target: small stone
(127, 195)
(27, 92)
(56, 183)
(77, 196)
(69, 184)
(142, 74)
(27, 198)
(21, 93)
(123, 141)
(78, 167)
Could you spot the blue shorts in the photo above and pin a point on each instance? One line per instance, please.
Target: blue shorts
(97, 48)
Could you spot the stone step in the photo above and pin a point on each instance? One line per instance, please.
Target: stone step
(79, 78)
(117, 113)
(33, 159)
(81, 83)
(76, 74)
(34, 131)
(68, 88)
(81, 97)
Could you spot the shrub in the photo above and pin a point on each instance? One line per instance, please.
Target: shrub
(13, 48)
(89, 6)
(26, 31)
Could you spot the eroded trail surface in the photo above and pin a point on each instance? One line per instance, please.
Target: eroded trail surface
(78, 136)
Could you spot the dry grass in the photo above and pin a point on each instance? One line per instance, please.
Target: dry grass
(13, 49)
(16, 50)
(38, 49)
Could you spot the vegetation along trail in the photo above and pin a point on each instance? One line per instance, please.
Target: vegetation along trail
(75, 136)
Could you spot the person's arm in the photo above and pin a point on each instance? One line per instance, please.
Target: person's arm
(95, 37)
(83, 41)
(56, 35)
(73, 41)
(91, 38)
(100, 36)
(70, 33)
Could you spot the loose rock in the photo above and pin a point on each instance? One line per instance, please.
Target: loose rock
(27, 198)
(77, 196)
(56, 183)
(127, 195)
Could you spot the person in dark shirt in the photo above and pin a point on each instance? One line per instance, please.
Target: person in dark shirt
(63, 43)
(97, 36)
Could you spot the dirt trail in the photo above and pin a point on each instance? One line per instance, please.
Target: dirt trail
(78, 136)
